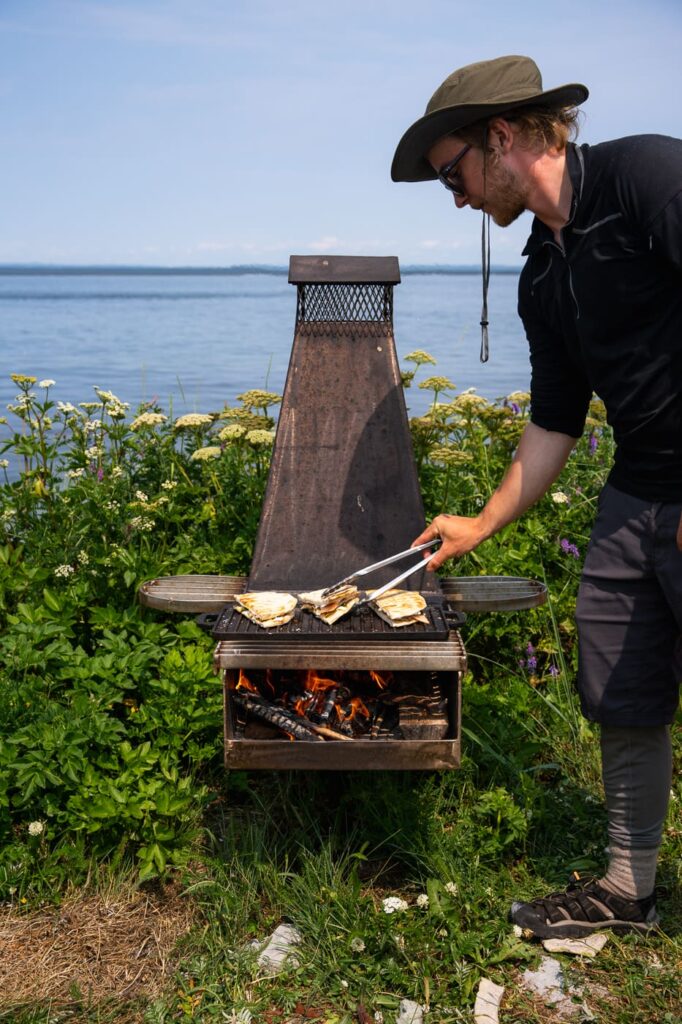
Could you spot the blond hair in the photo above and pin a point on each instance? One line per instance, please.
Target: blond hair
(538, 128)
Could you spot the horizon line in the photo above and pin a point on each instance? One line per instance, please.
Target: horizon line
(229, 269)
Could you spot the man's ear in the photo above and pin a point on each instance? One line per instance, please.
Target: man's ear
(500, 135)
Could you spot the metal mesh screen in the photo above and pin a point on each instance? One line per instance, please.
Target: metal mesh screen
(344, 303)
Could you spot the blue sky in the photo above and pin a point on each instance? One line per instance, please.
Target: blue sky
(215, 132)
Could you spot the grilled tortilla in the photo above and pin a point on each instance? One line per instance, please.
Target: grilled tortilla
(267, 608)
(400, 607)
(330, 608)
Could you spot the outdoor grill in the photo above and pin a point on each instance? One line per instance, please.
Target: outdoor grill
(342, 492)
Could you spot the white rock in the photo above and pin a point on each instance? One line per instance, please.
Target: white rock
(410, 1012)
(547, 982)
(589, 946)
(487, 1003)
(279, 950)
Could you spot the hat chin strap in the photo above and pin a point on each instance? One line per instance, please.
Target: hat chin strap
(485, 266)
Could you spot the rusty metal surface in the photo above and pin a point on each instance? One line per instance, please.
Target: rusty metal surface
(344, 270)
(191, 593)
(417, 656)
(360, 755)
(493, 593)
(343, 489)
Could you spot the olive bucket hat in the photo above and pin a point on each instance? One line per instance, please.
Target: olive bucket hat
(470, 94)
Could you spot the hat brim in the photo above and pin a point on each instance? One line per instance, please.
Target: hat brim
(410, 163)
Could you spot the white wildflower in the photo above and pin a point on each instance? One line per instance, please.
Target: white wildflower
(63, 571)
(90, 426)
(83, 557)
(107, 396)
(260, 436)
(400, 941)
(89, 406)
(422, 900)
(559, 498)
(379, 1017)
(169, 485)
(192, 419)
(148, 419)
(112, 506)
(393, 903)
(47, 383)
(94, 451)
(36, 828)
(117, 410)
(4, 463)
(452, 888)
(66, 408)
(231, 432)
(116, 473)
(202, 454)
(357, 945)
(344, 984)
(141, 496)
(142, 524)
(520, 397)
(517, 930)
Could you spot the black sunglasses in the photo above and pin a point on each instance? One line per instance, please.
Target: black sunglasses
(452, 181)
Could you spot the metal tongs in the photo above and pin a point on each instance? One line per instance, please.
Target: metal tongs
(347, 580)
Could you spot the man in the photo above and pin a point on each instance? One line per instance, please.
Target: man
(600, 297)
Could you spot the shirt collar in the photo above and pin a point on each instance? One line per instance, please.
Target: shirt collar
(540, 233)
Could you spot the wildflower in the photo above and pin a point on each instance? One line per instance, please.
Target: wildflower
(83, 557)
(117, 410)
(89, 406)
(420, 357)
(449, 456)
(112, 506)
(344, 984)
(452, 888)
(259, 437)
(142, 497)
(94, 451)
(3, 419)
(393, 903)
(192, 419)
(142, 524)
(357, 945)
(36, 828)
(107, 396)
(90, 426)
(259, 399)
(21, 379)
(559, 498)
(400, 941)
(47, 383)
(469, 402)
(66, 408)
(529, 648)
(422, 900)
(520, 397)
(532, 663)
(4, 463)
(437, 384)
(379, 1017)
(169, 485)
(568, 548)
(516, 409)
(594, 444)
(231, 432)
(63, 571)
(518, 931)
(553, 671)
(148, 419)
(212, 451)
(116, 473)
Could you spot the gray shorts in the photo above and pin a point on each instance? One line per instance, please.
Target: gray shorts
(629, 613)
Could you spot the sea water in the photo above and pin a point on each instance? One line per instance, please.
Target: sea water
(196, 340)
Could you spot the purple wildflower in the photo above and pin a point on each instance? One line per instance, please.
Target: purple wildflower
(532, 663)
(516, 409)
(100, 474)
(553, 671)
(594, 444)
(529, 648)
(568, 548)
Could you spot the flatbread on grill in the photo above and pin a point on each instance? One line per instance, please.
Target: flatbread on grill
(400, 607)
(267, 608)
(333, 607)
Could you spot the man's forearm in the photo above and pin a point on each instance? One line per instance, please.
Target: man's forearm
(539, 458)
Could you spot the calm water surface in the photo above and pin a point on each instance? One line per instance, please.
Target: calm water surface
(196, 341)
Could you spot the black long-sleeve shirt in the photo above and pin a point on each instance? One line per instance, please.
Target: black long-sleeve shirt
(604, 313)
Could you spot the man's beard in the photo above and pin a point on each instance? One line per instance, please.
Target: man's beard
(506, 200)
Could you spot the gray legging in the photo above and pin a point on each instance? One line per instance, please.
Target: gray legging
(637, 773)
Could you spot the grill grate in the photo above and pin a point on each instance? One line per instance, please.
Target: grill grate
(362, 624)
(344, 303)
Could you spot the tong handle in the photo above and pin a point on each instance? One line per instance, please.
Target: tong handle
(398, 579)
(379, 565)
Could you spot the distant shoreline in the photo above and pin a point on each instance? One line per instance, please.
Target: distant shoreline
(122, 270)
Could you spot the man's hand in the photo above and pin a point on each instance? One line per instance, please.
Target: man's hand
(459, 535)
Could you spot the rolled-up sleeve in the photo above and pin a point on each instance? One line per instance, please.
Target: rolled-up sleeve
(560, 392)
